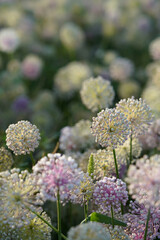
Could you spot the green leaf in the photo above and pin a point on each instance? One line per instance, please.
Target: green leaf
(97, 217)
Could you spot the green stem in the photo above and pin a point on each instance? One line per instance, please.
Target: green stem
(131, 157)
(86, 211)
(59, 215)
(115, 163)
(32, 158)
(147, 221)
(39, 216)
(112, 214)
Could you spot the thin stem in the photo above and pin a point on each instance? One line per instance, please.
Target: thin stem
(32, 158)
(59, 215)
(147, 221)
(131, 157)
(115, 163)
(39, 216)
(86, 211)
(112, 214)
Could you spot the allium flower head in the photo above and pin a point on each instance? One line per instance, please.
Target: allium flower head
(144, 181)
(128, 89)
(110, 192)
(117, 233)
(104, 163)
(9, 40)
(110, 127)
(35, 228)
(70, 78)
(89, 231)
(121, 69)
(22, 137)
(17, 191)
(32, 67)
(57, 173)
(136, 222)
(71, 36)
(6, 159)
(97, 93)
(154, 49)
(77, 137)
(137, 112)
(85, 190)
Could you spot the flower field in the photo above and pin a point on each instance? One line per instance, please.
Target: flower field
(79, 119)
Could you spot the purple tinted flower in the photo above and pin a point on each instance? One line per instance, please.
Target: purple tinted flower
(21, 104)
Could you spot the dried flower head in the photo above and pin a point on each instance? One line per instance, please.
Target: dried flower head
(121, 69)
(22, 137)
(9, 40)
(97, 93)
(6, 159)
(144, 181)
(111, 128)
(18, 191)
(89, 231)
(154, 49)
(137, 112)
(57, 173)
(110, 192)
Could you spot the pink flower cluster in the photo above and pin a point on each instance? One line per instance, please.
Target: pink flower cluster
(110, 192)
(57, 173)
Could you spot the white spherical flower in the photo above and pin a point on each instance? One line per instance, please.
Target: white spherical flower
(137, 112)
(89, 231)
(9, 40)
(71, 36)
(22, 137)
(111, 128)
(32, 67)
(121, 69)
(70, 78)
(154, 49)
(97, 93)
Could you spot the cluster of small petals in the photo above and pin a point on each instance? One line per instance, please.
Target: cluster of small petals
(110, 192)
(154, 49)
(57, 173)
(104, 163)
(121, 69)
(144, 181)
(35, 228)
(77, 137)
(17, 191)
(85, 190)
(138, 113)
(117, 233)
(9, 40)
(84, 158)
(22, 137)
(6, 159)
(136, 222)
(70, 78)
(89, 231)
(123, 152)
(31, 228)
(97, 93)
(32, 67)
(111, 128)
(151, 139)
